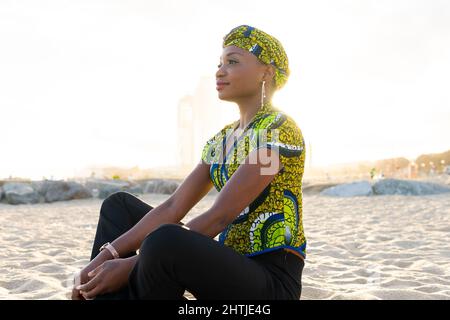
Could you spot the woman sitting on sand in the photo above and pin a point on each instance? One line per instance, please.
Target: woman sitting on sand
(256, 163)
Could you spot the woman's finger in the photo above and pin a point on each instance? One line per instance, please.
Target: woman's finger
(76, 294)
(91, 284)
(93, 293)
(94, 272)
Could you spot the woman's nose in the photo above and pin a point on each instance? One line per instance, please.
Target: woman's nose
(220, 72)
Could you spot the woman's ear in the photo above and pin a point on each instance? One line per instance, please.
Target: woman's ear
(269, 76)
(269, 73)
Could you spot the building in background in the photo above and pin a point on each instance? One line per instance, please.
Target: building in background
(185, 134)
(199, 117)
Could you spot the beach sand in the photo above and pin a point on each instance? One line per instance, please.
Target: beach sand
(380, 247)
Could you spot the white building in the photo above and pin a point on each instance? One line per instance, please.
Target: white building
(200, 116)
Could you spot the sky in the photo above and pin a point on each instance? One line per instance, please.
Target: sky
(97, 82)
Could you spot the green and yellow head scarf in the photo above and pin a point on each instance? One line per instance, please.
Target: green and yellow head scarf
(264, 46)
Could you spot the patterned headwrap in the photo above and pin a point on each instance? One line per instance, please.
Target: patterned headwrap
(264, 46)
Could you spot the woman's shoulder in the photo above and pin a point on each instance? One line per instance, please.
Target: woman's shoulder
(278, 119)
(285, 132)
(286, 135)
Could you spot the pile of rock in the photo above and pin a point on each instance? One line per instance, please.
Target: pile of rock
(354, 189)
(104, 188)
(59, 190)
(42, 191)
(408, 187)
(385, 187)
(160, 186)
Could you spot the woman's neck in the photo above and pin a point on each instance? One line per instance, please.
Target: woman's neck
(248, 109)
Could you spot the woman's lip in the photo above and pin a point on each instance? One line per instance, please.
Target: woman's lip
(221, 85)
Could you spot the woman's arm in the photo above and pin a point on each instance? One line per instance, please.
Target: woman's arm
(192, 190)
(245, 185)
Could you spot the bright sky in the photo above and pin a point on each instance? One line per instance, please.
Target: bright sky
(97, 82)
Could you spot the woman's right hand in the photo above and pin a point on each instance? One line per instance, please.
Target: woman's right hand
(82, 276)
(111, 276)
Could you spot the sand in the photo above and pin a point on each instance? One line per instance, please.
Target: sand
(381, 247)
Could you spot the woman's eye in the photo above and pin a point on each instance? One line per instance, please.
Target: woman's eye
(219, 65)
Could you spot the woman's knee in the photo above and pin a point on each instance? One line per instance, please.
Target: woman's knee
(118, 195)
(112, 200)
(166, 240)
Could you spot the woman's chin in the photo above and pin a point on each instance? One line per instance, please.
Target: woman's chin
(223, 97)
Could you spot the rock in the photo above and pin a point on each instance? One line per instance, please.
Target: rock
(62, 190)
(136, 189)
(316, 188)
(41, 186)
(104, 188)
(405, 187)
(354, 189)
(20, 193)
(150, 186)
(160, 186)
(106, 191)
(99, 183)
(1, 193)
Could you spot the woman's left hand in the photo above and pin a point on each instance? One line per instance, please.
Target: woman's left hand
(110, 276)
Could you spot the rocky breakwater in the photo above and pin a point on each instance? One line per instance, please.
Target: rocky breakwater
(386, 187)
(46, 191)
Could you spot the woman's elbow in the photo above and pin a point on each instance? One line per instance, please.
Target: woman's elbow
(222, 219)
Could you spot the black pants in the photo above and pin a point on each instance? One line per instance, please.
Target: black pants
(173, 259)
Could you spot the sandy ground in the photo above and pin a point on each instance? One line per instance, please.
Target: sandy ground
(382, 247)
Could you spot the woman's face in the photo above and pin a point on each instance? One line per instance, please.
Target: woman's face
(239, 75)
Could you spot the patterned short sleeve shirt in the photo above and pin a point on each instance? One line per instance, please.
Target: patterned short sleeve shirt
(274, 219)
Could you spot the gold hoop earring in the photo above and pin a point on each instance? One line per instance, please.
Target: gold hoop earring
(263, 92)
